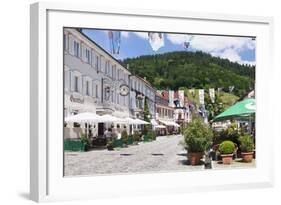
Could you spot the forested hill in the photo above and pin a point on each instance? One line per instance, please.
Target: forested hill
(192, 70)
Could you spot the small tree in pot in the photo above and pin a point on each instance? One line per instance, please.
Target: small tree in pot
(246, 147)
(226, 150)
(197, 139)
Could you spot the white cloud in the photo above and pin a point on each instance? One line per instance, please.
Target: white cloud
(251, 63)
(176, 38)
(232, 55)
(142, 35)
(229, 54)
(218, 43)
(125, 34)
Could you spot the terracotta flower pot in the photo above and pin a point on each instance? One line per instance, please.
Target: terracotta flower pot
(247, 156)
(226, 158)
(194, 158)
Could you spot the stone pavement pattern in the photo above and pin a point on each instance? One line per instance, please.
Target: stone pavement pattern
(164, 154)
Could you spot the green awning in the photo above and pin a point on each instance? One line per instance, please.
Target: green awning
(240, 109)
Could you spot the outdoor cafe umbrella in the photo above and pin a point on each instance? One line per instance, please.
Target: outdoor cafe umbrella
(139, 122)
(110, 118)
(85, 117)
(245, 108)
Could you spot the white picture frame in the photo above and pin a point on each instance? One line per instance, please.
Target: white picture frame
(46, 149)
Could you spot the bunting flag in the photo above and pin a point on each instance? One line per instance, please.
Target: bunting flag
(156, 40)
(201, 97)
(187, 41)
(115, 41)
(212, 94)
(230, 88)
(171, 98)
(181, 97)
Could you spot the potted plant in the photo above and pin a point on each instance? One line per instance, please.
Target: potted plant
(136, 136)
(197, 139)
(109, 145)
(246, 147)
(226, 149)
(124, 137)
(85, 142)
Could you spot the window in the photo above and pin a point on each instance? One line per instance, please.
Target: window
(87, 88)
(76, 49)
(97, 91)
(76, 84)
(88, 58)
(114, 71)
(107, 67)
(97, 62)
(64, 41)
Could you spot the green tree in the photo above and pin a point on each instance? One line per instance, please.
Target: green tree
(146, 115)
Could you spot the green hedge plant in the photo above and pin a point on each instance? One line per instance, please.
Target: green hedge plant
(227, 147)
(197, 135)
(246, 143)
(124, 136)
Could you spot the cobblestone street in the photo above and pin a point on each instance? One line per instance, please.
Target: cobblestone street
(164, 154)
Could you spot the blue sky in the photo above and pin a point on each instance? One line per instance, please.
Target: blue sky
(236, 49)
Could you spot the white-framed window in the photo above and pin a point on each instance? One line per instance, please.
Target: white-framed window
(76, 49)
(87, 88)
(64, 41)
(107, 67)
(76, 83)
(97, 91)
(97, 62)
(114, 71)
(88, 56)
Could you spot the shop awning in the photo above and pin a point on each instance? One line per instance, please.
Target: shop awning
(153, 122)
(160, 126)
(169, 123)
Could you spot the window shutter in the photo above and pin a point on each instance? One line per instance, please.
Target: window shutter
(66, 42)
(67, 80)
(71, 74)
(71, 45)
(93, 58)
(90, 88)
(84, 53)
(84, 85)
(80, 84)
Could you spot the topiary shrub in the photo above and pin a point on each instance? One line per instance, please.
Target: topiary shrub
(227, 147)
(153, 135)
(124, 136)
(197, 135)
(136, 136)
(246, 143)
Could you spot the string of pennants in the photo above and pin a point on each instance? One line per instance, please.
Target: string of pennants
(155, 39)
(201, 94)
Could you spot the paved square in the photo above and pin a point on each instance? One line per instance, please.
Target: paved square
(164, 154)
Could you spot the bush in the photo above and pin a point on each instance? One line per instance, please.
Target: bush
(227, 147)
(197, 135)
(124, 136)
(136, 136)
(229, 134)
(84, 139)
(153, 135)
(246, 143)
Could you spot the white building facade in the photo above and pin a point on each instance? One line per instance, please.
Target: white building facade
(139, 90)
(91, 79)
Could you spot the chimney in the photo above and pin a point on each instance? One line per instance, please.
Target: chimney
(144, 78)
